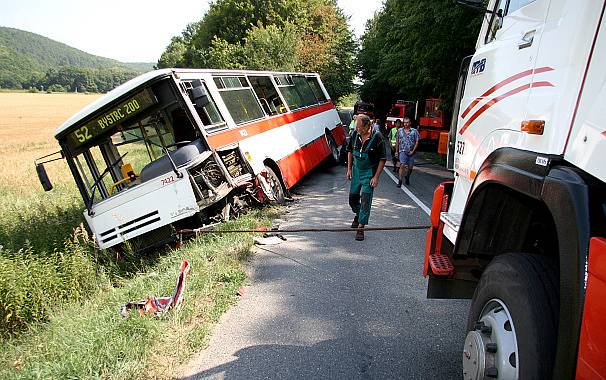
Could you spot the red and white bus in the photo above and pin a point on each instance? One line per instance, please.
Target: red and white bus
(176, 145)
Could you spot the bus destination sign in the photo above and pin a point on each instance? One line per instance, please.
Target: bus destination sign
(118, 114)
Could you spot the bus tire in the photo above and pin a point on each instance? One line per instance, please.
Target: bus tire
(513, 319)
(278, 191)
(333, 157)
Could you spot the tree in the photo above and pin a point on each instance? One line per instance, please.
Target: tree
(412, 49)
(280, 35)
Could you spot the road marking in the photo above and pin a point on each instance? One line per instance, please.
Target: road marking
(408, 192)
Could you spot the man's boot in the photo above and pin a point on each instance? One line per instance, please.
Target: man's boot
(355, 223)
(407, 179)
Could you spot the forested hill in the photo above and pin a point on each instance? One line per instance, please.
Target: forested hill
(27, 58)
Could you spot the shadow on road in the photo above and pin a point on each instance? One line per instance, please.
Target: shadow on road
(325, 360)
(325, 306)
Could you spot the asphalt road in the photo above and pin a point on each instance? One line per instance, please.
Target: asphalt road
(324, 306)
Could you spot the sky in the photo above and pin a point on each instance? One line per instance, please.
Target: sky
(128, 30)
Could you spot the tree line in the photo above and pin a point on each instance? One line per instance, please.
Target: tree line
(412, 50)
(277, 35)
(77, 79)
(29, 60)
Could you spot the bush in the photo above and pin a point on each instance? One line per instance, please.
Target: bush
(31, 285)
(56, 88)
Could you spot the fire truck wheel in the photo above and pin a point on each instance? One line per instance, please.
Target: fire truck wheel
(276, 186)
(333, 158)
(513, 319)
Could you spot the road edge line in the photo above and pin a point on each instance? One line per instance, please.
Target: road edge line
(408, 192)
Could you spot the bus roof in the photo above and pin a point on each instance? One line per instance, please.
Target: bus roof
(142, 79)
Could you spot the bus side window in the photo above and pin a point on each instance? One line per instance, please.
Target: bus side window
(304, 90)
(268, 95)
(209, 114)
(317, 90)
(298, 91)
(240, 99)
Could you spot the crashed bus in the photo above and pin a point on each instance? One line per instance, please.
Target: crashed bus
(179, 147)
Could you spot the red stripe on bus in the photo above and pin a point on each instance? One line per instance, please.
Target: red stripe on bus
(231, 136)
(299, 163)
(503, 83)
(497, 99)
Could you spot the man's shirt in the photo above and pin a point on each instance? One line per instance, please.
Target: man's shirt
(408, 140)
(376, 149)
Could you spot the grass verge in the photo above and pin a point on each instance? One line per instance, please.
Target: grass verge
(89, 339)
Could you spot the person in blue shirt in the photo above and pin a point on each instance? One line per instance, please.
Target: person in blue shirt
(407, 143)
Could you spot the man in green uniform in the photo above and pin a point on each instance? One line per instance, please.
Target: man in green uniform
(365, 161)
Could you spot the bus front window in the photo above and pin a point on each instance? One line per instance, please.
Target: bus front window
(126, 158)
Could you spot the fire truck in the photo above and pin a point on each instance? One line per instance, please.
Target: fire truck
(401, 109)
(522, 228)
(433, 122)
(430, 125)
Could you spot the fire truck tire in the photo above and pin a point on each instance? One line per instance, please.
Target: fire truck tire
(513, 319)
(333, 157)
(277, 188)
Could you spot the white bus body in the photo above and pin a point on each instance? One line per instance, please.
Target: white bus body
(224, 129)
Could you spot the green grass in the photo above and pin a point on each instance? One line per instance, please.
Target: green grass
(90, 339)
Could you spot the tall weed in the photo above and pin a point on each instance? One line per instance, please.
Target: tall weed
(31, 286)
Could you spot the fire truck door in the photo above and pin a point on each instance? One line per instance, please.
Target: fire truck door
(500, 75)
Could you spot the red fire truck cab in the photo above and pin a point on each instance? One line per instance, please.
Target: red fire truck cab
(433, 123)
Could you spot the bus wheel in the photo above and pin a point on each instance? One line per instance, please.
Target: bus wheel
(333, 158)
(513, 320)
(277, 190)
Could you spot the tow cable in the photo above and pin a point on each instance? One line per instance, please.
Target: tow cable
(276, 231)
(204, 230)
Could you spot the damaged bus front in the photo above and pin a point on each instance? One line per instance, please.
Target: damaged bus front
(142, 163)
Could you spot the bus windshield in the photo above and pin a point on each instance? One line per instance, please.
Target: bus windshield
(123, 146)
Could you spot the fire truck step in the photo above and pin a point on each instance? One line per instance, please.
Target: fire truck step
(441, 265)
(451, 219)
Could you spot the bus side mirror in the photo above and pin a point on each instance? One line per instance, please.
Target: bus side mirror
(199, 95)
(46, 183)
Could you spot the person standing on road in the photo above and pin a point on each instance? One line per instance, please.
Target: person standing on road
(376, 126)
(352, 125)
(393, 140)
(407, 143)
(365, 161)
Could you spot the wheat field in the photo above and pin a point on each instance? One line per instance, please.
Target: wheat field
(27, 126)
